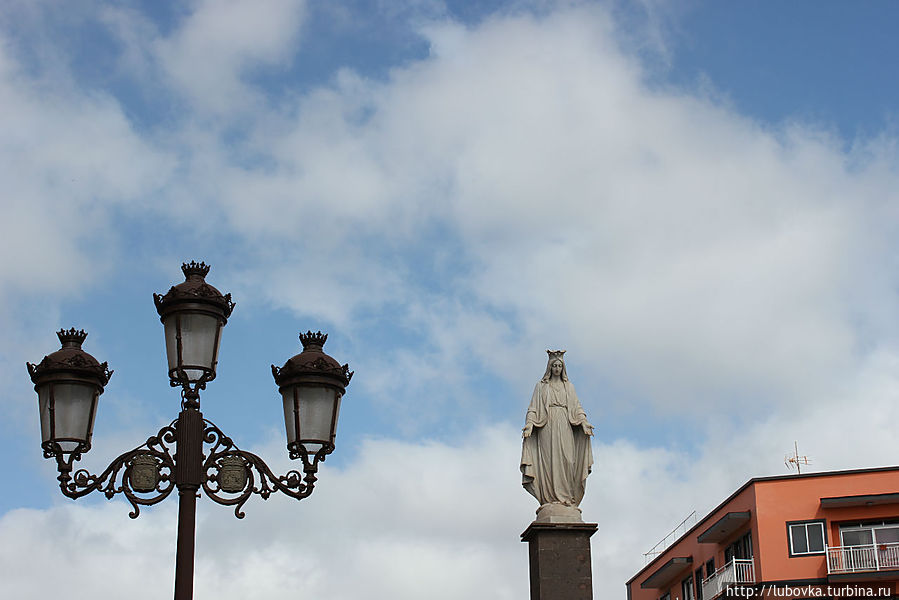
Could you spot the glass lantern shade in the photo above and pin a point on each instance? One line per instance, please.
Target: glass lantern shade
(193, 314)
(310, 414)
(192, 344)
(68, 383)
(67, 413)
(311, 386)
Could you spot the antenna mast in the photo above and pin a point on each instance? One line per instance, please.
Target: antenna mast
(795, 461)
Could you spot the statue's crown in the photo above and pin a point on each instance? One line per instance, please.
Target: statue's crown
(554, 354)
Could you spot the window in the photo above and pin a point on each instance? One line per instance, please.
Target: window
(806, 537)
(871, 546)
(698, 579)
(740, 549)
(709, 567)
(687, 588)
(860, 534)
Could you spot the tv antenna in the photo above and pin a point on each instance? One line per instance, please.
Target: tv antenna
(795, 461)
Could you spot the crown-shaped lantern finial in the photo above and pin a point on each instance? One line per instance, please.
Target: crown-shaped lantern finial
(71, 338)
(313, 340)
(195, 268)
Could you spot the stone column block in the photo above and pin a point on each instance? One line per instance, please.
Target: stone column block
(559, 556)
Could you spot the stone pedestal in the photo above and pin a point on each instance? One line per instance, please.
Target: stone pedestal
(559, 556)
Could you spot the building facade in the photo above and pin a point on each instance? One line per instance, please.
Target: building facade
(814, 535)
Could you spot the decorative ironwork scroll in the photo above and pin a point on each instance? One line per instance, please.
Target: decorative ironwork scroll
(232, 475)
(144, 475)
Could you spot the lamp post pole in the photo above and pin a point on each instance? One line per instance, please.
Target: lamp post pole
(191, 453)
(188, 479)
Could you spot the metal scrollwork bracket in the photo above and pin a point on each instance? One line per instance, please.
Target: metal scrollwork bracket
(146, 475)
(143, 475)
(232, 475)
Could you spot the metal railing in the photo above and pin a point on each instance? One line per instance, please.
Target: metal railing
(666, 541)
(868, 557)
(737, 572)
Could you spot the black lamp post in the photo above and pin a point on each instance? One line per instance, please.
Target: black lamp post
(69, 383)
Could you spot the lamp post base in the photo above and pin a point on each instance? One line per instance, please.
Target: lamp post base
(559, 557)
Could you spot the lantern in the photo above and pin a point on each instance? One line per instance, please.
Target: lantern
(68, 383)
(193, 314)
(311, 385)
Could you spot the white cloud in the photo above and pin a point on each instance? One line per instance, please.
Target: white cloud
(209, 54)
(86, 552)
(68, 159)
(680, 247)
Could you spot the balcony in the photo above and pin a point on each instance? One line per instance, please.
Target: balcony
(868, 558)
(739, 571)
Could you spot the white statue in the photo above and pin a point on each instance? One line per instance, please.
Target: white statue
(556, 455)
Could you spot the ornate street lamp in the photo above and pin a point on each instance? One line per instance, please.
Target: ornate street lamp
(193, 313)
(191, 452)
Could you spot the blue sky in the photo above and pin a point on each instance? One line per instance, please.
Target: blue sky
(696, 199)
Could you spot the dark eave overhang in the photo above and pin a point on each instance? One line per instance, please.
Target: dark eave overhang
(724, 527)
(865, 500)
(665, 574)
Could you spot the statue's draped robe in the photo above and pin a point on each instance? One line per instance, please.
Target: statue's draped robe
(557, 457)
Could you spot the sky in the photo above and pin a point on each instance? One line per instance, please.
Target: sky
(697, 200)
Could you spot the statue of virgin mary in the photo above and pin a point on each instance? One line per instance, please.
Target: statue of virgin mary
(556, 455)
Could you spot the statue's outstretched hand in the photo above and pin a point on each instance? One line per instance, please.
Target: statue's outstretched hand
(528, 430)
(587, 427)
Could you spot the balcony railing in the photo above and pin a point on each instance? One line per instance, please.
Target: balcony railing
(739, 571)
(856, 559)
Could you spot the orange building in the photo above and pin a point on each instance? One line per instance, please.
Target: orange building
(814, 535)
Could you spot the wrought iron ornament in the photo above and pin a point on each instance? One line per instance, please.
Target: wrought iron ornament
(144, 475)
(231, 475)
(130, 474)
